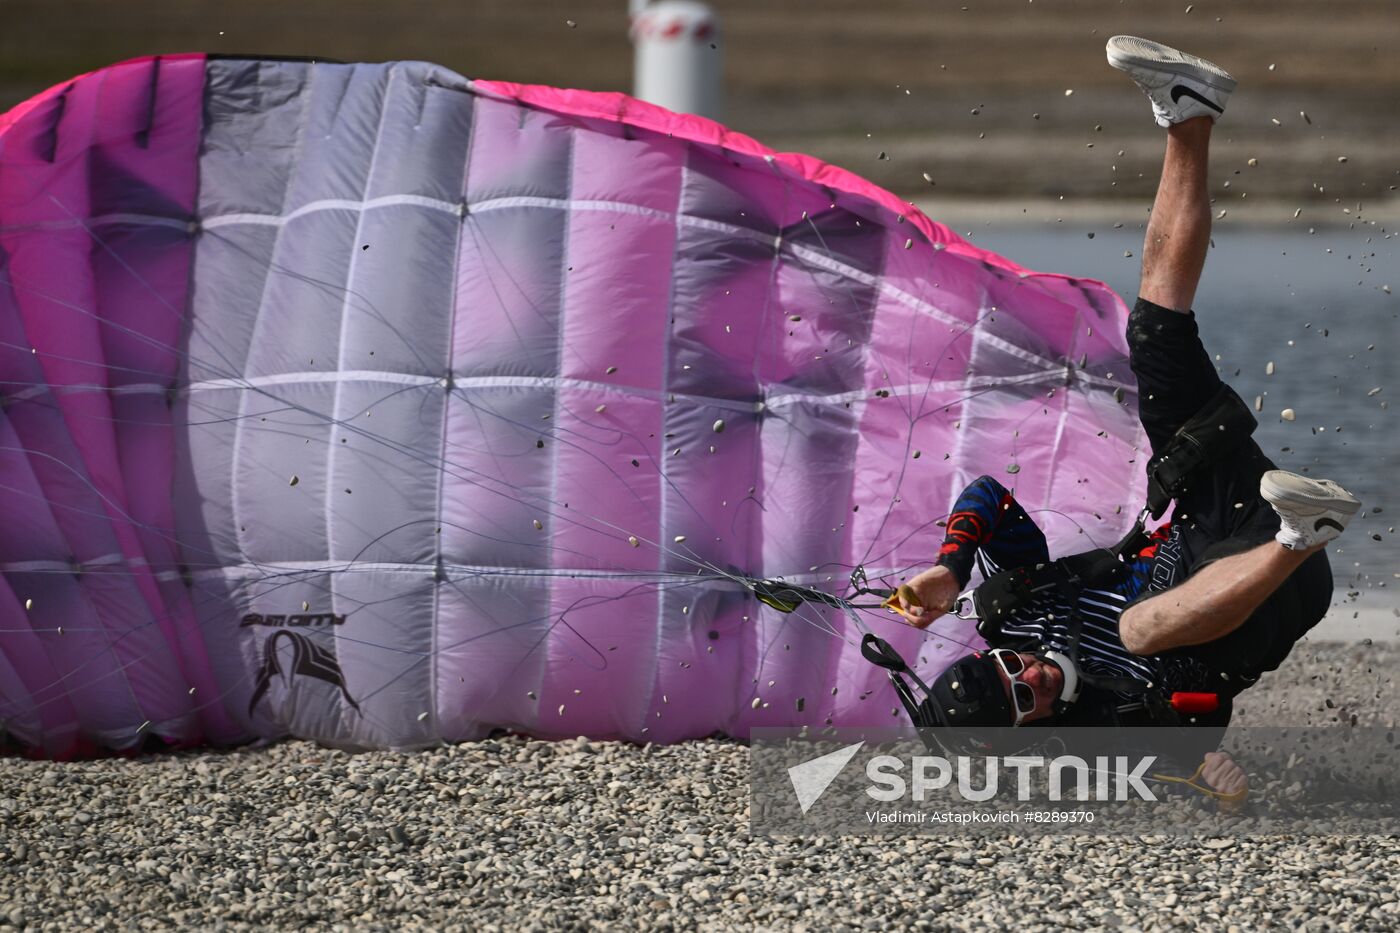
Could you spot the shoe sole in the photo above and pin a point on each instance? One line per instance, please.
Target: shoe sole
(1289, 489)
(1125, 52)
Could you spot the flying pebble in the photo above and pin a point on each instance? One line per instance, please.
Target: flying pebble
(1288, 414)
(718, 426)
(1269, 368)
(295, 479)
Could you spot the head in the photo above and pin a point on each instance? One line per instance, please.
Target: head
(1003, 688)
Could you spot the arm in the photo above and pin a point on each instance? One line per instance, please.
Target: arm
(987, 517)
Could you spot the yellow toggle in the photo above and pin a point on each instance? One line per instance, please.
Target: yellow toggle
(893, 605)
(1233, 800)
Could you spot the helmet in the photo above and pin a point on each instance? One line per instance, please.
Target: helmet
(969, 693)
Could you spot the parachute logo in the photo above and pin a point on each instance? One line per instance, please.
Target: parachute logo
(308, 659)
(529, 385)
(299, 620)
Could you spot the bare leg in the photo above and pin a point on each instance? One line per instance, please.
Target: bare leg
(1211, 603)
(1178, 233)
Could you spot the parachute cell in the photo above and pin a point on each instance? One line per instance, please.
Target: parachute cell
(374, 405)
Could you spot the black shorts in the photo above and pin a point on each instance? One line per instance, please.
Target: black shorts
(1220, 512)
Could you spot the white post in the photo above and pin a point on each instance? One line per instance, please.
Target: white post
(678, 63)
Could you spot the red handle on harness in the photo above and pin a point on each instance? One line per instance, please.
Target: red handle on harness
(1195, 702)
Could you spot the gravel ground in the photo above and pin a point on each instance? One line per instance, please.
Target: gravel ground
(520, 834)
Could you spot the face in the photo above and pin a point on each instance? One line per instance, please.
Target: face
(1045, 680)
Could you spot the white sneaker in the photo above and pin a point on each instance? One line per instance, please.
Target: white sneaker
(1312, 510)
(1180, 86)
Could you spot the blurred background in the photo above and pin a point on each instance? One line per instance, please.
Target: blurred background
(1002, 119)
(970, 91)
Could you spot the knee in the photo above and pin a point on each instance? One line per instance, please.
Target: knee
(1134, 630)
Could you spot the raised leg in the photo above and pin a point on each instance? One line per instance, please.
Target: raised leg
(1178, 232)
(1211, 603)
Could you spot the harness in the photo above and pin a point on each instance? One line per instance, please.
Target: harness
(1222, 424)
(1001, 596)
(1005, 594)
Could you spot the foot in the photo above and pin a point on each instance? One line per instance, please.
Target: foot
(1180, 86)
(1313, 511)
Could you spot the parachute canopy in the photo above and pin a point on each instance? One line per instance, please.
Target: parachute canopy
(374, 405)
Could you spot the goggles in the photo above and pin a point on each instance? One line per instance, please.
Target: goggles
(1022, 696)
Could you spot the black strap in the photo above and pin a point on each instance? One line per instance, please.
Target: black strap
(1222, 424)
(1014, 589)
(1070, 587)
(1135, 540)
(882, 654)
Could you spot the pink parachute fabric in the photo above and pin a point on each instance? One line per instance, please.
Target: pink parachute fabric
(373, 405)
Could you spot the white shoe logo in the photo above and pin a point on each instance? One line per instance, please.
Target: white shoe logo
(811, 778)
(1182, 90)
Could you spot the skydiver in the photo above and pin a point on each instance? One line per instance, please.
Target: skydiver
(1206, 603)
